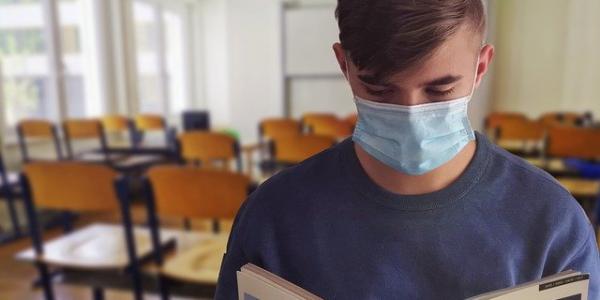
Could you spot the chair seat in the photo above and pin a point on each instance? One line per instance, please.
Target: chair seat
(97, 246)
(581, 187)
(198, 264)
(13, 179)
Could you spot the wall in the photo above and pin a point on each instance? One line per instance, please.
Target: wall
(547, 58)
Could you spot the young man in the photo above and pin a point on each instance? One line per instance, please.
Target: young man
(416, 205)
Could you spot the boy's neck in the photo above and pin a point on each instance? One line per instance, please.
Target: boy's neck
(404, 184)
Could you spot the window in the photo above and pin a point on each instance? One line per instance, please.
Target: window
(75, 60)
(25, 69)
(150, 87)
(160, 58)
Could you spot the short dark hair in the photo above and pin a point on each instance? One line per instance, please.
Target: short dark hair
(388, 36)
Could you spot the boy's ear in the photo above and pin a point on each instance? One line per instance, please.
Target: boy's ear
(340, 55)
(486, 56)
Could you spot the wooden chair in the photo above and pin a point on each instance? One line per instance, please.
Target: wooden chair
(337, 129)
(522, 137)
(209, 148)
(270, 129)
(292, 150)
(187, 192)
(37, 129)
(80, 130)
(117, 126)
(8, 192)
(495, 119)
(562, 119)
(64, 186)
(311, 120)
(352, 119)
(147, 123)
(575, 142)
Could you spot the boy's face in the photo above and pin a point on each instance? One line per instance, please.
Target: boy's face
(449, 73)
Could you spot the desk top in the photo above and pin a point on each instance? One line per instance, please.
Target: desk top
(102, 246)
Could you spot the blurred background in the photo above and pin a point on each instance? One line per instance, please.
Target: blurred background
(244, 61)
(255, 69)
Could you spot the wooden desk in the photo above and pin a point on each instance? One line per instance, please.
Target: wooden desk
(96, 256)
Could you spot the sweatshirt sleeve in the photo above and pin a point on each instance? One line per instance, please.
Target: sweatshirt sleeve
(586, 260)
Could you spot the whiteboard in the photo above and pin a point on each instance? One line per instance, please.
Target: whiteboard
(310, 33)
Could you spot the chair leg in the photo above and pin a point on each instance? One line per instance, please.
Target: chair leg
(163, 288)
(97, 293)
(45, 281)
(12, 211)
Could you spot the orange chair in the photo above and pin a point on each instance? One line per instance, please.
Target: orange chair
(85, 130)
(521, 136)
(573, 142)
(580, 143)
(37, 129)
(270, 129)
(117, 125)
(206, 148)
(188, 193)
(334, 128)
(496, 119)
(562, 119)
(310, 119)
(146, 123)
(352, 119)
(67, 186)
(293, 150)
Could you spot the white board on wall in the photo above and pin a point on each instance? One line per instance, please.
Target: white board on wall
(315, 82)
(309, 35)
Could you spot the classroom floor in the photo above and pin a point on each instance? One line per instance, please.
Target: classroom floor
(16, 277)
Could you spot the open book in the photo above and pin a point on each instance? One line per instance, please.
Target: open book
(568, 285)
(255, 283)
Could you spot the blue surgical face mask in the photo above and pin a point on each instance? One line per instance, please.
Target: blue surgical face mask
(413, 139)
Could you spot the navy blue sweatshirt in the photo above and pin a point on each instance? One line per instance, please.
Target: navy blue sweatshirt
(327, 227)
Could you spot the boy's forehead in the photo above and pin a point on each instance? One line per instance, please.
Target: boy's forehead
(456, 56)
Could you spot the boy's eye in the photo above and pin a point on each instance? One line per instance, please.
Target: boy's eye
(440, 93)
(378, 92)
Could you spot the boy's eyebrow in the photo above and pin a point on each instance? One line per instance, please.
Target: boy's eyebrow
(372, 80)
(445, 80)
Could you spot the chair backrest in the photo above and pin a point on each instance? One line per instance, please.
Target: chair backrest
(352, 119)
(83, 129)
(276, 128)
(496, 119)
(522, 130)
(37, 129)
(309, 119)
(331, 127)
(116, 124)
(72, 186)
(561, 118)
(76, 129)
(298, 148)
(188, 192)
(573, 142)
(149, 122)
(205, 146)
